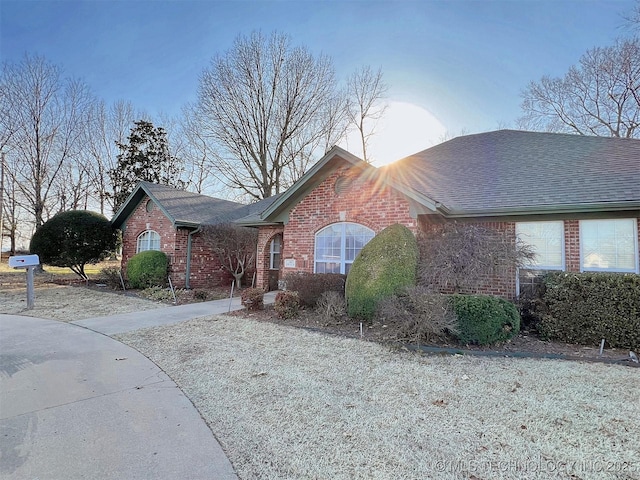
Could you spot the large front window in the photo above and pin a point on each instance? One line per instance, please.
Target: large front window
(148, 240)
(338, 245)
(609, 245)
(547, 241)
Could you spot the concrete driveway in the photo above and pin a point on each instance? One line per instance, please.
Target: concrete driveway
(76, 404)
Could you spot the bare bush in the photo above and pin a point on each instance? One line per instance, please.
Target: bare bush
(331, 307)
(418, 315)
(456, 256)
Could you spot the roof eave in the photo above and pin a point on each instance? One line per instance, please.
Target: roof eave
(547, 209)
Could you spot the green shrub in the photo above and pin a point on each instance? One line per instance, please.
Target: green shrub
(587, 307)
(418, 315)
(484, 320)
(287, 304)
(252, 298)
(310, 286)
(384, 266)
(147, 269)
(74, 239)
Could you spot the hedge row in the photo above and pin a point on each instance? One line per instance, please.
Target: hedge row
(584, 308)
(310, 286)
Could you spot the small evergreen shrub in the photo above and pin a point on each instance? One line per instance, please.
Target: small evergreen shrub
(587, 307)
(310, 286)
(252, 298)
(331, 307)
(287, 304)
(148, 269)
(418, 315)
(483, 319)
(385, 265)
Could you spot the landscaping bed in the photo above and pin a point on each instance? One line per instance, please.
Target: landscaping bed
(375, 331)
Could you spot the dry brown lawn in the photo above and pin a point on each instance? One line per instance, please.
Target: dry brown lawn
(73, 301)
(291, 404)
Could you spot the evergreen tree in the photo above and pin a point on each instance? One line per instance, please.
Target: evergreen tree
(145, 156)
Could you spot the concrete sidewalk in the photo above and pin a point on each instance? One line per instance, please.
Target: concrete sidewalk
(76, 404)
(163, 316)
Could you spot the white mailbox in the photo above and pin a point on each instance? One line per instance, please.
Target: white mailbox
(24, 261)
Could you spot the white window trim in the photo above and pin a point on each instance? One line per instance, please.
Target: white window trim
(635, 246)
(148, 240)
(343, 241)
(563, 261)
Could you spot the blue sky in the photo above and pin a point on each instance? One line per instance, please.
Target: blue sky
(465, 62)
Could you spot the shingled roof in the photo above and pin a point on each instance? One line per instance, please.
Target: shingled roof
(510, 172)
(187, 209)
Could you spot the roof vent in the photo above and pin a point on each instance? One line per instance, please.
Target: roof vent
(342, 184)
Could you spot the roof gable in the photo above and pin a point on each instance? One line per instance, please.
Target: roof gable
(334, 158)
(183, 208)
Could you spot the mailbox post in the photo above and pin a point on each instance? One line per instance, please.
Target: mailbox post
(29, 262)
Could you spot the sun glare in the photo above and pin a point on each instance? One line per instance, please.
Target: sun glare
(405, 129)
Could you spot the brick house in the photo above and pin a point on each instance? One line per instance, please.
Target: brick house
(576, 199)
(159, 217)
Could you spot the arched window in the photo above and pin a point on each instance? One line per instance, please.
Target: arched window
(338, 245)
(148, 240)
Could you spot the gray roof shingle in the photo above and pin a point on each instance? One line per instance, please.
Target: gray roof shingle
(188, 208)
(510, 170)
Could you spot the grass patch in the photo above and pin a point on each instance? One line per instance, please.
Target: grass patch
(287, 403)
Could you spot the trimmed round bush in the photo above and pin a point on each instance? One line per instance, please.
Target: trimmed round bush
(147, 269)
(385, 265)
(74, 239)
(483, 319)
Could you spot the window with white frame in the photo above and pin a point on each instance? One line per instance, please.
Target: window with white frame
(547, 241)
(338, 245)
(609, 245)
(148, 240)
(274, 253)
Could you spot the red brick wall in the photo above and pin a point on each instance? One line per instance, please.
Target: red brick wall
(140, 221)
(205, 269)
(572, 245)
(364, 202)
(265, 236)
(502, 283)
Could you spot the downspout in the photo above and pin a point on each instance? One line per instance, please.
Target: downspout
(187, 279)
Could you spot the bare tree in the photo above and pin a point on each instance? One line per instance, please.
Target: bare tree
(106, 128)
(199, 153)
(599, 96)
(233, 246)
(263, 103)
(633, 19)
(459, 256)
(366, 90)
(47, 112)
